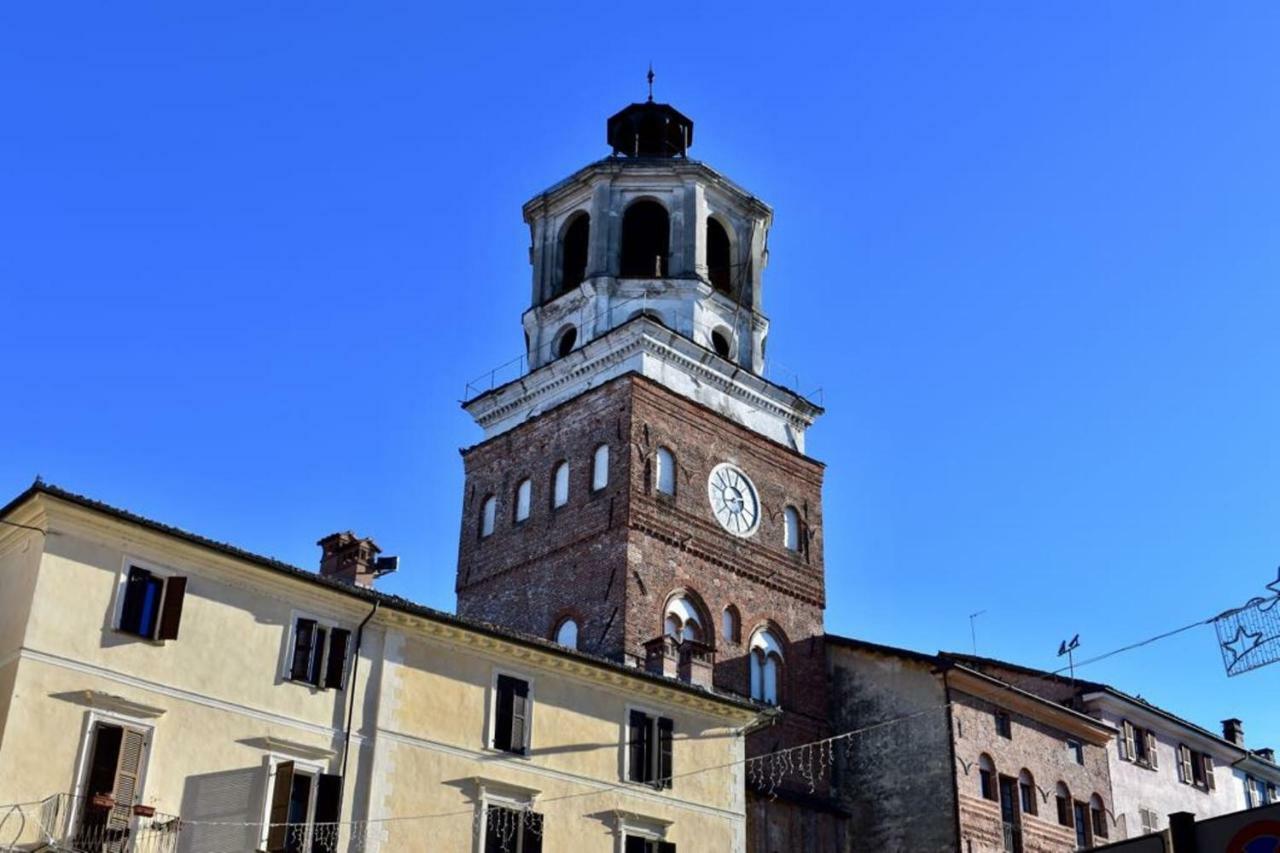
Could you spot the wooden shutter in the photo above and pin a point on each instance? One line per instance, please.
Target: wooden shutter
(1209, 781)
(1151, 748)
(504, 715)
(336, 666)
(1127, 751)
(314, 674)
(1184, 764)
(519, 715)
(278, 833)
(666, 730)
(135, 596)
(635, 844)
(531, 833)
(128, 770)
(304, 635)
(638, 746)
(175, 592)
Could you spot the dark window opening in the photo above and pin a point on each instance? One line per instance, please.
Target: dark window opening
(295, 794)
(646, 240)
(636, 844)
(574, 250)
(111, 787)
(566, 341)
(649, 744)
(509, 830)
(1004, 726)
(152, 606)
(510, 726)
(719, 266)
(720, 343)
(319, 655)
(1083, 839)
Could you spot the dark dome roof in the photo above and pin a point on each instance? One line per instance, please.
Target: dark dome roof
(650, 130)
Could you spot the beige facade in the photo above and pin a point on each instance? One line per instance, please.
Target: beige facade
(218, 716)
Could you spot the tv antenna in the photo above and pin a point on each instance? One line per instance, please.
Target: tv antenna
(973, 633)
(1068, 648)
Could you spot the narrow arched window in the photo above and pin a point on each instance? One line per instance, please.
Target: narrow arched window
(986, 777)
(719, 265)
(1063, 795)
(600, 468)
(730, 625)
(524, 492)
(1027, 792)
(573, 250)
(560, 489)
(567, 634)
(665, 476)
(488, 515)
(646, 238)
(791, 528)
(1098, 817)
(766, 667)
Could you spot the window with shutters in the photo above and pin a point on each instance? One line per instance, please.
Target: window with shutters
(1195, 768)
(1150, 820)
(302, 810)
(511, 830)
(1137, 745)
(150, 602)
(643, 844)
(512, 714)
(318, 653)
(600, 468)
(113, 777)
(649, 756)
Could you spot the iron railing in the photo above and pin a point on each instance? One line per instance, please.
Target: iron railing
(74, 824)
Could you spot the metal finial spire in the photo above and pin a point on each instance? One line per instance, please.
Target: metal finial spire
(650, 75)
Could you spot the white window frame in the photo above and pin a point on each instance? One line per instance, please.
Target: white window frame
(600, 468)
(286, 664)
(504, 796)
(309, 768)
(91, 720)
(638, 826)
(791, 528)
(488, 515)
(122, 581)
(491, 712)
(654, 714)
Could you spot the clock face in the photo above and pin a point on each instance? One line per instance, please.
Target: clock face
(734, 501)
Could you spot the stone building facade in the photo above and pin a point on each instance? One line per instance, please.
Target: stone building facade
(973, 763)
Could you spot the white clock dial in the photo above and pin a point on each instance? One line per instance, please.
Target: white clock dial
(734, 501)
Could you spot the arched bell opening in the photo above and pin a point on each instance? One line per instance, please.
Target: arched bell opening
(646, 240)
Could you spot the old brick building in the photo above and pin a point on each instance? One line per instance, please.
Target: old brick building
(642, 492)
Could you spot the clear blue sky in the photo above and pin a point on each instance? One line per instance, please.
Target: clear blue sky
(250, 254)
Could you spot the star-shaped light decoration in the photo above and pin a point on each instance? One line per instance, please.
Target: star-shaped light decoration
(1274, 586)
(1243, 643)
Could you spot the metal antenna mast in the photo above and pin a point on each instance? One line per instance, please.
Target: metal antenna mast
(973, 633)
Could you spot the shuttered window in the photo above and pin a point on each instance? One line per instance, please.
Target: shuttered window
(114, 781)
(511, 715)
(319, 654)
(650, 755)
(1126, 740)
(304, 809)
(152, 605)
(509, 830)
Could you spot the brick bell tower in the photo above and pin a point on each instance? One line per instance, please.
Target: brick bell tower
(642, 492)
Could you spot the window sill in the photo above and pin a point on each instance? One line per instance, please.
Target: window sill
(138, 637)
(525, 753)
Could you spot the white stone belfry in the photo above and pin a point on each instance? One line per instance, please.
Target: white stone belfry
(649, 262)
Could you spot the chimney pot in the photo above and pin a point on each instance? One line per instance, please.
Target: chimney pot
(348, 558)
(1233, 730)
(1266, 754)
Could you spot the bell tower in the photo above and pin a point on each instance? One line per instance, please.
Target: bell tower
(642, 490)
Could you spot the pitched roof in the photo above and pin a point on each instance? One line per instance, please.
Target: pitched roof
(393, 602)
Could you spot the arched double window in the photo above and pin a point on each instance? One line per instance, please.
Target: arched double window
(488, 515)
(524, 492)
(791, 528)
(560, 485)
(766, 667)
(682, 620)
(664, 478)
(600, 468)
(573, 252)
(567, 634)
(646, 240)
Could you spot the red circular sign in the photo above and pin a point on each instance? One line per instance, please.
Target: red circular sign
(1260, 837)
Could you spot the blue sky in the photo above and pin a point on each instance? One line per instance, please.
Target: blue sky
(251, 253)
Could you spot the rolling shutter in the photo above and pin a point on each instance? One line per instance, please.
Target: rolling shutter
(666, 729)
(638, 747)
(279, 816)
(336, 666)
(175, 591)
(531, 833)
(304, 637)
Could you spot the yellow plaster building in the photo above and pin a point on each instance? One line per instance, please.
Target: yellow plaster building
(163, 690)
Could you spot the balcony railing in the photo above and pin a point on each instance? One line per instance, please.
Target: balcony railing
(66, 822)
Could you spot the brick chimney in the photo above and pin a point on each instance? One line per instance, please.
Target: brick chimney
(1266, 754)
(348, 558)
(1233, 730)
